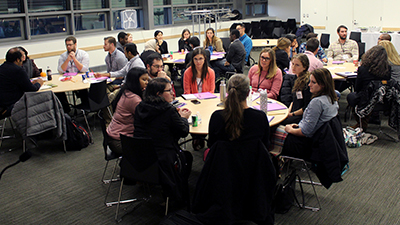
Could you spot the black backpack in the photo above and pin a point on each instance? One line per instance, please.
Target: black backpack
(77, 136)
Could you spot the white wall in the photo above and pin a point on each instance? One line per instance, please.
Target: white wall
(284, 9)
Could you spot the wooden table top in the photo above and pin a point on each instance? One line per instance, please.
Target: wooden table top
(264, 42)
(345, 67)
(179, 57)
(74, 84)
(208, 106)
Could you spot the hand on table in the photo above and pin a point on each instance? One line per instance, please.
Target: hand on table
(40, 81)
(97, 75)
(185, 112)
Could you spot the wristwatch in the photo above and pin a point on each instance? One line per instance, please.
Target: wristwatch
(293, 114)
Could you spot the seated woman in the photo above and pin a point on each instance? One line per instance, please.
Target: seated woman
(198, 77)
(321, 109)
(124, 107)
(375, 66)
(150, 47)
(213, 43)
(157, 119)
(235, 164)
(162, 45)
(282, 52)
(299, 89)
(393, 57)
(183, 42)
(29, 65)
(266, 75)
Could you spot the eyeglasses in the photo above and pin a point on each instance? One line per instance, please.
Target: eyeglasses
(157, 66)
(198, 59)
(169, 90)
(265, 58)
(69, 45)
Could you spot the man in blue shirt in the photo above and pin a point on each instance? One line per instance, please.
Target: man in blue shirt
(246, 40)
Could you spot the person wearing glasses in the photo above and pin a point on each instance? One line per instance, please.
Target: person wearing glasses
(199, 77)
(266, 75)
(156, 118)
(73, 60)
(343, 49)
(384, 37)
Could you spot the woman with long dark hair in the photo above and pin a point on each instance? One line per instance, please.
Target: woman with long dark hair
(212, 42)
(300, 91)
(156, 118)
(237, 121)
(375, 66)
(183, 42)
(124, 106)
(162, 45)
(198, 77)
(266, 75)
(321, 109)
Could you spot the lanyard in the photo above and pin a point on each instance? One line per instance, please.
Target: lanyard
(259, 83)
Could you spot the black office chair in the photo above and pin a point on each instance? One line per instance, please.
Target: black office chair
(255, 29)
(361, 49)
(96, 100)
(226, 42)
(108, 154)
(356, 36)
(292, 26)
(268, 29)
(248, 28)
(324, 40)
(139, 163)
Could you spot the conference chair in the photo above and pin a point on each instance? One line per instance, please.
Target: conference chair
(356, 36)
(237, 182)
(108, 154)
(96, 100)
(226, 42)
(248, 28)
(139, 163)
(327, 159)
(361, 49)
(292, 26)
(324, 40)
(3, 128)
(255, 29)
(39, 113)
(268, 29)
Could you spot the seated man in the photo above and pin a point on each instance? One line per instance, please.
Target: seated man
(115, 60)
(134, 61)
(14, 81)
(320, 54)
(234, 58)
(73, 60)
(194, 42)
(155, 68)
(343, 49)
(246, 40)
(122, 41)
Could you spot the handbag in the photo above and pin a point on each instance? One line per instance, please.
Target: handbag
(285, 195)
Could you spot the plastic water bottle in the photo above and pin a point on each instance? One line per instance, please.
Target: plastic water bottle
(222, 90)
(198, 117)
(48, 71)
(250, 97)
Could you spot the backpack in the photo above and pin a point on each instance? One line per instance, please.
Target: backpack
(77, 136)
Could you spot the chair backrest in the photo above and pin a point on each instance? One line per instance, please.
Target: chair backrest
(356, 36)
(324, 40)
(226, 42)
(108, 154)
(361, 49)
(98, 98)
(139, 160)
(255, 29)
(248, 28)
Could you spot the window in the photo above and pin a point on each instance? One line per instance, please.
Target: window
(48, 25)
(162, 16)
(10, 29)
(46, 5)
(256, 8)
(90, 21)
(89, 4)
(10, 6)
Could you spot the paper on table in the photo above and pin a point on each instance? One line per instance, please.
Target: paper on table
(255, 96)
(205, 95)
(271, 107)
(347, 74)
(70, 74)
(44, 87)
(179, 60)
(338, 62)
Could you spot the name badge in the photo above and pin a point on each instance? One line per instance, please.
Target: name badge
(299, 95)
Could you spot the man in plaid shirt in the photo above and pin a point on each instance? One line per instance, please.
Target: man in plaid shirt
(343, 49)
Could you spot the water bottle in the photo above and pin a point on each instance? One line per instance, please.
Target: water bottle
(48, 71)
(222, 90)
(264, 101)
(210, 48)
(250, 97)
(198, 117)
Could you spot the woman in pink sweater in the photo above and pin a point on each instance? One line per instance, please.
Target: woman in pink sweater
(124, 105)
(198, 77)
(266, 75)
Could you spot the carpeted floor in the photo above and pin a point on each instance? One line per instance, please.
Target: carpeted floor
(54, 187)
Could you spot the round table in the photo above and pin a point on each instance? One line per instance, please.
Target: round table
(75, 84)
(179, 57)
(345, 67)
(208, 106)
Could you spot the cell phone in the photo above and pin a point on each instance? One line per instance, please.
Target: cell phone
(195, 101)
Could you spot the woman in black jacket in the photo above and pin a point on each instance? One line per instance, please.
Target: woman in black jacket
(157, 119)
(282, 50)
